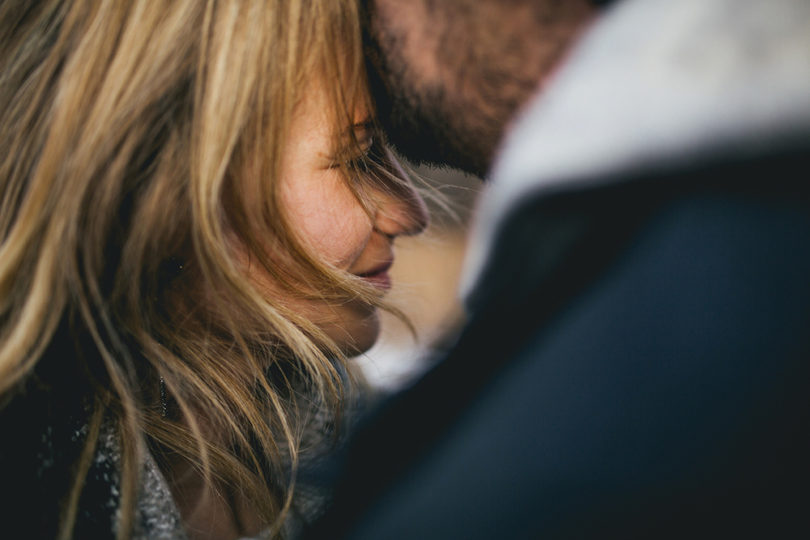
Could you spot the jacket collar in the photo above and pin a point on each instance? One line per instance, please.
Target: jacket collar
(654, 84)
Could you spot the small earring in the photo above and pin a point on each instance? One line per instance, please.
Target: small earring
(164, 408)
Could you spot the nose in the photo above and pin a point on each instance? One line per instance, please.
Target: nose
(401, 211)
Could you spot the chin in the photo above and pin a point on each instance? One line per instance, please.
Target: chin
(366, 335)
(358, 329)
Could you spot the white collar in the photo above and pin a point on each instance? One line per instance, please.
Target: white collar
(653, 83)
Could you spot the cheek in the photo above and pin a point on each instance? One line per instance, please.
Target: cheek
(327, 218)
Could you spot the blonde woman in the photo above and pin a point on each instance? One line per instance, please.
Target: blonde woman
(196, 223)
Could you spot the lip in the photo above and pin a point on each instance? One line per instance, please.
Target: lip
(378, 276)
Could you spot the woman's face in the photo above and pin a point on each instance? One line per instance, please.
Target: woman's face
(325, 214)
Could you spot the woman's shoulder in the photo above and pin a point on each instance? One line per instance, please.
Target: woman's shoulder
(40, 445)
(36, 449)
(156, 514)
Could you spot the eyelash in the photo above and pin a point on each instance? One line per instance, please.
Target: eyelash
(360, 160)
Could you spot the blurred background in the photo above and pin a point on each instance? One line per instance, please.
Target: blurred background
(425, 283)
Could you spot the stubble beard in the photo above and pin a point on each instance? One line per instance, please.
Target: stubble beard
(483, 74)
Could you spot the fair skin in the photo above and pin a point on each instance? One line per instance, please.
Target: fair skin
(332, 223)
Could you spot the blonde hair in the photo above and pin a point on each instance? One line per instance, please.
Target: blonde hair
(138, 139)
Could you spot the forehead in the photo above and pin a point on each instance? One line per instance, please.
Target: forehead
(318, 114)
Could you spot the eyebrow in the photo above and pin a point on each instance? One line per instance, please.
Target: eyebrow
(366, 124)
(367, 120)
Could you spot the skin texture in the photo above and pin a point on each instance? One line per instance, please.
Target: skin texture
(449, 75)
(332, 223)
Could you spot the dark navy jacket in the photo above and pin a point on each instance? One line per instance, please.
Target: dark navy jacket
(637, 360)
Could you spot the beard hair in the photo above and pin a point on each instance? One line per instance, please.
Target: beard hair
(424, 123)
(459, 118)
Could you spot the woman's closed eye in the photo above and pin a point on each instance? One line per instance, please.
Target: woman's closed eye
(356, 158)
